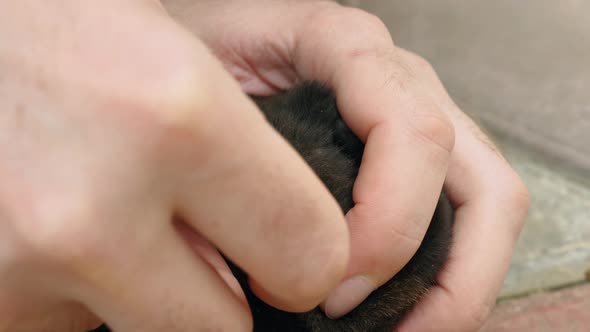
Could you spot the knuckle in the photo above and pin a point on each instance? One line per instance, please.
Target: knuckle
(168, 116)
(343, 16)
(434, 127)
(510, 190)
(174, 102)
(519, 195)
(162, 92)
(517, 200)
(59, 231)
(419, 63)
(184, 96)
(368, 22)
(394, 243)
(476, 315)
(360, 32)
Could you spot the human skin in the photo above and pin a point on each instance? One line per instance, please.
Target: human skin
(120, 137)
(124, 144)
(416, 137)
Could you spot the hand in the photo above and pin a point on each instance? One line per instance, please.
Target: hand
(124, 144)
(416, 140)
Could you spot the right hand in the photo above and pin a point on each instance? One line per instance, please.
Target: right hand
(114, 123)
(394, 101)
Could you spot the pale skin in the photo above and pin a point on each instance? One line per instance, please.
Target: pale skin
(129, 151)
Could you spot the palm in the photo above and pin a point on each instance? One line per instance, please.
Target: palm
(408, 122)
(261, 60)
(260, 68)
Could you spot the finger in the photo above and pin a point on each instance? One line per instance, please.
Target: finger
(408, 141)
(160, 284)
(211, 256)
(491, 205)
(253, 197)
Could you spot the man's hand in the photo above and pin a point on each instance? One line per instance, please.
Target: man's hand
(416, 140)
(127, 154)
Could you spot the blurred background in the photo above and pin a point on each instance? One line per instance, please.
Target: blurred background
(522, 70)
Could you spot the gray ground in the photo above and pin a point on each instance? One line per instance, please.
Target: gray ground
(523, 69)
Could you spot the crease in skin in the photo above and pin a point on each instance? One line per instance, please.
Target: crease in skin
(307, 116)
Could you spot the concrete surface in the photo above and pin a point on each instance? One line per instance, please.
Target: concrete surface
(523, 69)
(520, 66)
(554, 248)
(561, 311)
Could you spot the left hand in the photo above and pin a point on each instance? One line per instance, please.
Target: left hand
(393, 100)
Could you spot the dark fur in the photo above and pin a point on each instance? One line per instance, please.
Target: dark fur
(308, 118)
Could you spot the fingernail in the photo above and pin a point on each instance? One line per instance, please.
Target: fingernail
(348, 296)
